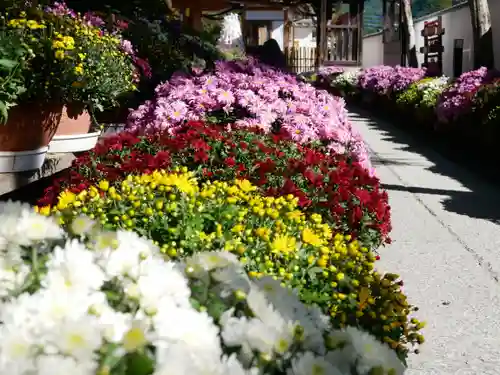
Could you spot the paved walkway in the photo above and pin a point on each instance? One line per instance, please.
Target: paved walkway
(446, 247)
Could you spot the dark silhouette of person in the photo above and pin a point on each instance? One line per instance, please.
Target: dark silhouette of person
(271, 54)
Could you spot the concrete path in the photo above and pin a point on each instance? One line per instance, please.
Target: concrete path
(446, 247)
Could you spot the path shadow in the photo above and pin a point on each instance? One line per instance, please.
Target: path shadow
(483, 199)
(461, 202)
(377, 161)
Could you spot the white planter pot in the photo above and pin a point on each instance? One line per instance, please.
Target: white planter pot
(20, 161)
(73, 143)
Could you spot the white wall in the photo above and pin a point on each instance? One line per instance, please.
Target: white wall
(372, 50)
(304, 36)
(457, 25)
(278, 33)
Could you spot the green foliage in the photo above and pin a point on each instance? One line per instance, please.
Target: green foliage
(168, 46)
(14, 59)
(409, 97)
(486, 105)
(160, 38)
(422, 94)
(70, 61)
(270, 236)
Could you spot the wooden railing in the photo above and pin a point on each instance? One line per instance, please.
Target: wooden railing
(344, 45)
(300, 59)
(343, 48)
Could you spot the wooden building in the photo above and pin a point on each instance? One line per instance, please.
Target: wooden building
(339, 25)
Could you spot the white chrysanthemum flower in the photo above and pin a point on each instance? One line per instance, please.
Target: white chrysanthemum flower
(114, 324)
(10, 236)
(346, 78)
(10, 248)
(161, 280)
(138, 335)
(433, 84)
(369, 352)
(123, 255)
(269, 340)
(13, 208)
(82, 225)
(26, 367)
(11, 277)
(54, 306)
(259, 304)
(232, 279)
(16, 346)
(145, 247)
(189, 327)
(77, 338)
(231, 366)
(182, 359)
(309, 364)
(268, 333)
(211, 260)
(73, 268)
(287, 303)
(234, 330)
(33, 227)
(97, 303)
(63, 365)
(21, 311)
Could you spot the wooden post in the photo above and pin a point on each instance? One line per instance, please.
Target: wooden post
(361, 31)
(286, 29)
(356, 8)
(244, 27)
(322, 19)
(194, 19)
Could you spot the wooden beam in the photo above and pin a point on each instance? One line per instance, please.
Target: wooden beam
(212, 5)
(361, 11)
(322, 19)
(194, 19)
(286, 30)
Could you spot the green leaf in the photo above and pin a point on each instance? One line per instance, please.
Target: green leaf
(111, 360)
(7, 64)
(139, 364)
(313, 271)
(4, 112)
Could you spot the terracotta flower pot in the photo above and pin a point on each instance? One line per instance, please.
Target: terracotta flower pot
(26, 135)
(74, 122)
(73, 132)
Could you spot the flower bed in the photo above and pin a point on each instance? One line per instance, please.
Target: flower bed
(322, 77)
(271, 236)
(89, 301)
(249, 94)
(387, 80)
(455, 113)
(331, 185)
